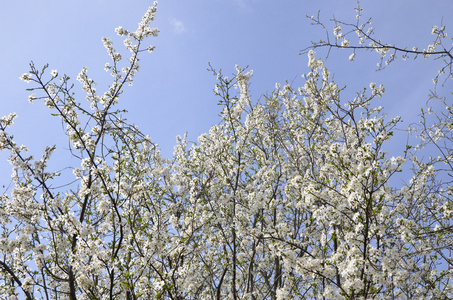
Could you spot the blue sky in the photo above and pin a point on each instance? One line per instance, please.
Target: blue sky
(172, 93)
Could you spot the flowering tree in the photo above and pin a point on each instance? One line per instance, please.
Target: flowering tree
(287, 198)
(92, 240)
(425, 220)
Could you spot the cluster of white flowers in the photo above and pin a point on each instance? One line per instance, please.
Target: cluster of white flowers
(337, 32)
(314, 63)
(242, 83)
(286, 198)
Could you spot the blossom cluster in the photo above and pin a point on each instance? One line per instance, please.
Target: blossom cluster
(288, 197)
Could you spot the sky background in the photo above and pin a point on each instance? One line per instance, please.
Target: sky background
(172, 93)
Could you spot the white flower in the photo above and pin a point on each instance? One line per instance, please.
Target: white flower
(121, 31)
(345, 43)
(158, 284)
(27, 284)
(351, 57)
(54, 73)
(434, 29)
(28, 229)
(337, 31)
(25, 77)
(31, 97)
(372, 85)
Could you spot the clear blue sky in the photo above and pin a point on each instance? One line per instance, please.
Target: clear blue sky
(172, 93)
